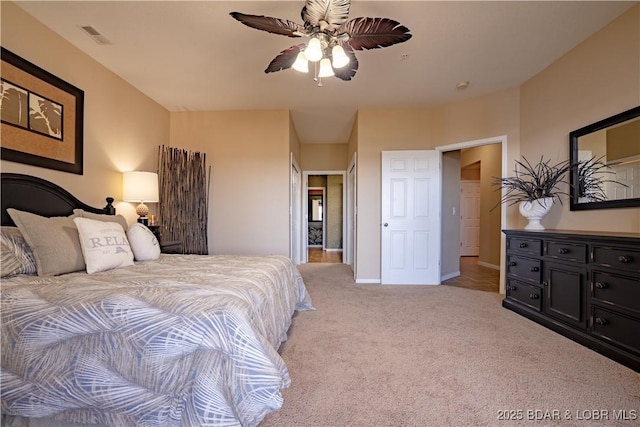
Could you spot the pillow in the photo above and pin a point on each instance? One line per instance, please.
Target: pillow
(15, 255)
(79, 213)
(104, 245)
(54, 242)
(143, 242)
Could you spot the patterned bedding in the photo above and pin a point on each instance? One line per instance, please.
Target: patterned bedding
(186, 340)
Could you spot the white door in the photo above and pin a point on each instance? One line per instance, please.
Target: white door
(295, 210)
(410, 215)
(469, 218)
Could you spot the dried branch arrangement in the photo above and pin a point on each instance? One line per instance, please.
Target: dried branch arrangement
(184, 198)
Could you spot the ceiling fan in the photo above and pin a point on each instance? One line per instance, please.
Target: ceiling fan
(332, 38)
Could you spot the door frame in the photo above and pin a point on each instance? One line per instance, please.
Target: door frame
(295, 211)
(502, 139)
(305, 214)
(349, 247)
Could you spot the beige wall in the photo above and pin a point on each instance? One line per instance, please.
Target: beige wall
(294, 142)
(248, 152)
(122, 127)
(324, 157)
(474, 119)
(583, 87)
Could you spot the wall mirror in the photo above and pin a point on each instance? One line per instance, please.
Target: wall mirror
(316, 201)
(606, 163)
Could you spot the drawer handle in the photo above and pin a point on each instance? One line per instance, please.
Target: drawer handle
(512, 288)
(563, 251)
(601, 321)
(513, 263)
(533, 269)
(523, 245)
(625, 259)
(545, 283)
(534, 296)
(601, 285)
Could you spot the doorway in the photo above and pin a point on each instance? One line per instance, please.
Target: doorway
(323, 232)
(490, 236)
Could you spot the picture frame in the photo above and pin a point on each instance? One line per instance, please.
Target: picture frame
(41, 116)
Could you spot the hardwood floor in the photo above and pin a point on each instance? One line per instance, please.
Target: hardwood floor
(318, 255)
(474, 276)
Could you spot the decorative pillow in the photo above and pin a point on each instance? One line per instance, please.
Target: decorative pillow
(15, 255)
(79, 213)
(54, 242)
(104, 245)
(143, 243)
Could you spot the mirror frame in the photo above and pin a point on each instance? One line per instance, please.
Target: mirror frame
(573, 159)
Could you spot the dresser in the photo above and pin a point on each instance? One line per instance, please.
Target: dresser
(583, 285)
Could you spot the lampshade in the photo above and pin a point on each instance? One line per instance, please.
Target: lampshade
(325, 68)
(340, 59)
(313, 52)
(140, 187)
(301, 63)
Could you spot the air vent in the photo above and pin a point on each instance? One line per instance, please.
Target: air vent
(95, 34)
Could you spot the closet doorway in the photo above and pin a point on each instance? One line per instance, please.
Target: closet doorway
(324, 212)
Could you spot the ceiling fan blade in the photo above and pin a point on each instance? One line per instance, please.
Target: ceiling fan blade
(372, 33)
(285, 59)
(347, 72)
(332, 12)
(271, 25)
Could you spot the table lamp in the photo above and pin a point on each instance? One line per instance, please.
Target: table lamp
(140, 187)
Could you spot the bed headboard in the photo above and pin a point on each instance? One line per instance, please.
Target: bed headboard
(41, 197)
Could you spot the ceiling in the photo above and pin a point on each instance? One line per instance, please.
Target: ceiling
(191, 55)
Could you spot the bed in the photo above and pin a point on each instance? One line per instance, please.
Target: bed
(180, 340)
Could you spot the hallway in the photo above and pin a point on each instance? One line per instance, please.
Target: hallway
(328, 257)
(474, 276)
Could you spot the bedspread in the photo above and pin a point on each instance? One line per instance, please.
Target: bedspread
(184, 340)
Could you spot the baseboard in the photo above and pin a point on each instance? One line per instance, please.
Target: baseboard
(486, 264)
(449, 276)
(368, 281)
(333, 250)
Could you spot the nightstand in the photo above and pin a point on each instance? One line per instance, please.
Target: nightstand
(173, 247)
(166, 247)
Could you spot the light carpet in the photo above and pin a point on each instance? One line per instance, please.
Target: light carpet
(373, 355)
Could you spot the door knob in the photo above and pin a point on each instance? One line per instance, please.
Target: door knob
(386, 224)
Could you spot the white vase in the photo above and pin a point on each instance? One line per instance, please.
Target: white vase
(534, 211)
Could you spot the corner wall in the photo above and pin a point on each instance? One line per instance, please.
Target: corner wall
(249, 155)
(595, 80)
(122, 126)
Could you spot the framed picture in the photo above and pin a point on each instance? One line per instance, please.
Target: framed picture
(41, 116)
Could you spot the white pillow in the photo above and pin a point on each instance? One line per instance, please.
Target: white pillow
(143, 242)
(104, 245)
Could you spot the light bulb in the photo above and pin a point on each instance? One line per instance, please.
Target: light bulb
(313, 52)
(325, 68)
(340, 59)
(301, 63)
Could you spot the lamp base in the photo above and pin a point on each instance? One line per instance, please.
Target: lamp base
(143, 220)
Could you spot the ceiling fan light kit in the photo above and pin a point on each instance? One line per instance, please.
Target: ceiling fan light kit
(332, 38)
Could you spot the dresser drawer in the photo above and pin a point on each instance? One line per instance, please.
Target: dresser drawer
(622, 258)
(617, 328)
(566, 251)
(524, 245)
(524, 293)
(526, 268)
(616, 289)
